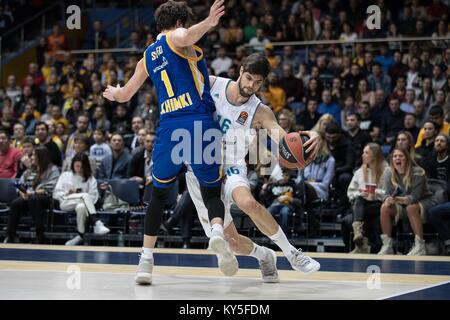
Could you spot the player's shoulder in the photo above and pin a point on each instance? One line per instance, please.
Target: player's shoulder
(263, 109)
(150, 47)
(218, 82)
(263, 114)
(221, 79)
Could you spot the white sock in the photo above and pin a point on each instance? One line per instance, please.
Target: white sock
(281, 241)
(258, 252)
(217, 227)
(147, 253)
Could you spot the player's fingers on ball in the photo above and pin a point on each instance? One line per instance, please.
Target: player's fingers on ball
(318, 147)
(305, 133)
(311, 142)
(307, 143)
(316, 153)
(310, 149)
(313, 152)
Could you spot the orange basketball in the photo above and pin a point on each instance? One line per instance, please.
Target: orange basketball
(291, 151)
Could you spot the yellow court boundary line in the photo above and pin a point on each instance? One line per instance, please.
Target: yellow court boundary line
(325, 255)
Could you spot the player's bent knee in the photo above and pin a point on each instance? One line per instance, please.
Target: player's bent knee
(249, 206)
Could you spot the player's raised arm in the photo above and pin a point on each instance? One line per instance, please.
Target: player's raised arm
(267, 120)
(124, 94)
(183, 37)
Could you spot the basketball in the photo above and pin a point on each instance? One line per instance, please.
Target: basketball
(292, 153)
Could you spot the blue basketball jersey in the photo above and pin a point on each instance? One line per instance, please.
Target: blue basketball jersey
(181, 82)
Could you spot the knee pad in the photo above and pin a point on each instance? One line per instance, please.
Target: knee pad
(155, 211)
(212, 201)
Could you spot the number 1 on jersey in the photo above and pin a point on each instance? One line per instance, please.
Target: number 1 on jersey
(165, 79)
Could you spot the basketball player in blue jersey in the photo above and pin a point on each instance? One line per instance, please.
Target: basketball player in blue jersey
(178, 71)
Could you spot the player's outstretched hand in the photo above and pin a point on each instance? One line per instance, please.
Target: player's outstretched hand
(216, 12)
(110, 92)
(314, 144)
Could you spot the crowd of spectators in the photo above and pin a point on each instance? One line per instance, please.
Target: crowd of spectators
(12, 13)
(368, 100)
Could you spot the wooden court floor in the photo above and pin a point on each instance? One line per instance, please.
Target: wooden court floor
(56, 272)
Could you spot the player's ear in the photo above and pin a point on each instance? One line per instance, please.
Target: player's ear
(179, 24)
(241, 71)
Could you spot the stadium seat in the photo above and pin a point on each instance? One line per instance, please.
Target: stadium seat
(7, 195)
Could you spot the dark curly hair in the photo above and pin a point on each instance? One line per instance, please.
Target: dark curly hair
(257, 64)
(168, 14)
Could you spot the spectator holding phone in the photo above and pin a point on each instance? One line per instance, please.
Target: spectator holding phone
(77, 190)
(407, 193)
(37, 184)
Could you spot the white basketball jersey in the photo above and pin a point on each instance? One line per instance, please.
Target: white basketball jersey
(235, 122)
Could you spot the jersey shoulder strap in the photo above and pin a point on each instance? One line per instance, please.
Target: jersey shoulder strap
(219, 86)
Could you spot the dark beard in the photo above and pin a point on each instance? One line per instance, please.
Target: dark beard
(242, 92)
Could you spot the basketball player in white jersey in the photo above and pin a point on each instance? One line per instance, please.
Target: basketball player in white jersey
(239, 113)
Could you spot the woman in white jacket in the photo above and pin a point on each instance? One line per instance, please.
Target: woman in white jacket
(77, 190)
(366, 193)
